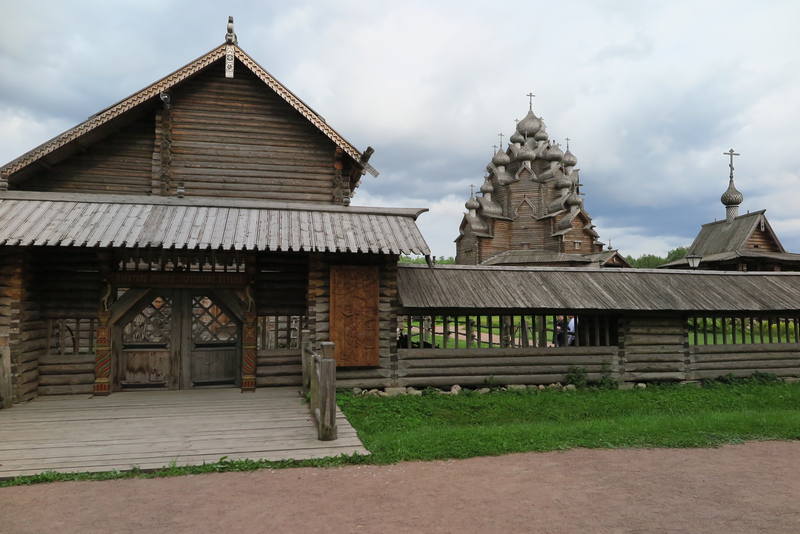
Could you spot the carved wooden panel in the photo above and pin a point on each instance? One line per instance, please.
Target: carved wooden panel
(354, 324)
(210, 324)
(151, 326)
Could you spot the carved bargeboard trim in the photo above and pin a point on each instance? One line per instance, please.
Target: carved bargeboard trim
(114, 111)
(167, 83)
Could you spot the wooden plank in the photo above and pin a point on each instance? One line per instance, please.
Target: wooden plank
(354, 328)
(154, 429)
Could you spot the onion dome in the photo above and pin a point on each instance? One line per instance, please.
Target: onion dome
(529, 125)
(731, 196)
(569, 159)
(562, 182)
(487, 187)
(503, 178)
(573, 200)
(553, 153)
(472, 203)
(525, 153)
(517, 137)
(541, 135)
(501, 158)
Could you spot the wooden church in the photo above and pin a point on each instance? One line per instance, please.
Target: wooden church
(163, 241)
(738, 242)
(530, 210)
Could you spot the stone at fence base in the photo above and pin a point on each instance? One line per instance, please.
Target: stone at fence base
(455, 389)
(394, 391)
(483, 391)
(357, 391)
(570, 387)
(517, 387)
(373, 392)
(541, 387)
(556, 385)
(641, 385)
(413, 392)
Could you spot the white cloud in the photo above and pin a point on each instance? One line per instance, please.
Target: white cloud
(651, 93)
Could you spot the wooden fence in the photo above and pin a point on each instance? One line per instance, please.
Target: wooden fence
(319, 384)
(533, 365)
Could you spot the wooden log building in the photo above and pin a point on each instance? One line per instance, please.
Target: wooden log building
(738, 242)
(530, 211)
(175, 236)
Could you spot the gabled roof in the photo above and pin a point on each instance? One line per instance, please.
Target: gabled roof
(723, 236)
(153, 91)
(540, 257)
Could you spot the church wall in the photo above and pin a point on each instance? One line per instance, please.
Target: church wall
(501, 241)
(761, 240)
(467, 250)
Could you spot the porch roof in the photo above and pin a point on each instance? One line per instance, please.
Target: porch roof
(506, 289)
(196, 223)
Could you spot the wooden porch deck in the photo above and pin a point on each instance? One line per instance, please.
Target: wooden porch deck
(152, 429)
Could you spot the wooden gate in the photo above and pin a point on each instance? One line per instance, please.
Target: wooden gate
(178, 338)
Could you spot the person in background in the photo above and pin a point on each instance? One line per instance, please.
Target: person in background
(571, 323)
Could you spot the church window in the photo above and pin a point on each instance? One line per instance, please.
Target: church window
(577, 244)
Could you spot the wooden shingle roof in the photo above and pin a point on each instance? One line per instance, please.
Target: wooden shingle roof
(724, 236)
(197, 223)
(463, 288)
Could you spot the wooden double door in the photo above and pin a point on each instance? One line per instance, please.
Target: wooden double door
(178, 339)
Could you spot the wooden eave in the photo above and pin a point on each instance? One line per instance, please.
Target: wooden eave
(70, 139)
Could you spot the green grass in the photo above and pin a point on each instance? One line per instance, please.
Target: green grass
(434, 426)
(439, 426)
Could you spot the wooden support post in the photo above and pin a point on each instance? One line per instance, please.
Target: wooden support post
(724, 330)
(324, 405)
(102, 347)
(249, 350)
(102, 351)
(523, 325)
(542, 330)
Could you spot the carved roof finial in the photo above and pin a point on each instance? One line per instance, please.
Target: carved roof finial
(567, 140)
(500, 135)
(530, 100)
(230, 37)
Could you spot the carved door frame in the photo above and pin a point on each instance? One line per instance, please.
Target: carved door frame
(125, 309)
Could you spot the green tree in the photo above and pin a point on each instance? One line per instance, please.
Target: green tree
(651, 261)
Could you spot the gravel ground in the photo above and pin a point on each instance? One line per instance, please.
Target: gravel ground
(754, 487)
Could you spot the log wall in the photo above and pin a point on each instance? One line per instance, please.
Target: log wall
(444, 367)
(712, 361)
(654, 348)
(6, 383)
(120, 163)
(26, 332)
(233, 137)
(69, 288)
(388, 306)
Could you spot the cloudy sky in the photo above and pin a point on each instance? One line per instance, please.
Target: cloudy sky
(651, 93)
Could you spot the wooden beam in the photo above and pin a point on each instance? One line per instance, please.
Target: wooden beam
(131, 297)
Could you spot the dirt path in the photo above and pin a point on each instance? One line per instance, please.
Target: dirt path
(743, 488)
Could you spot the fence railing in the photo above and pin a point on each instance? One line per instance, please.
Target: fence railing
(741, 330)
(319, 384)
(477, 331)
